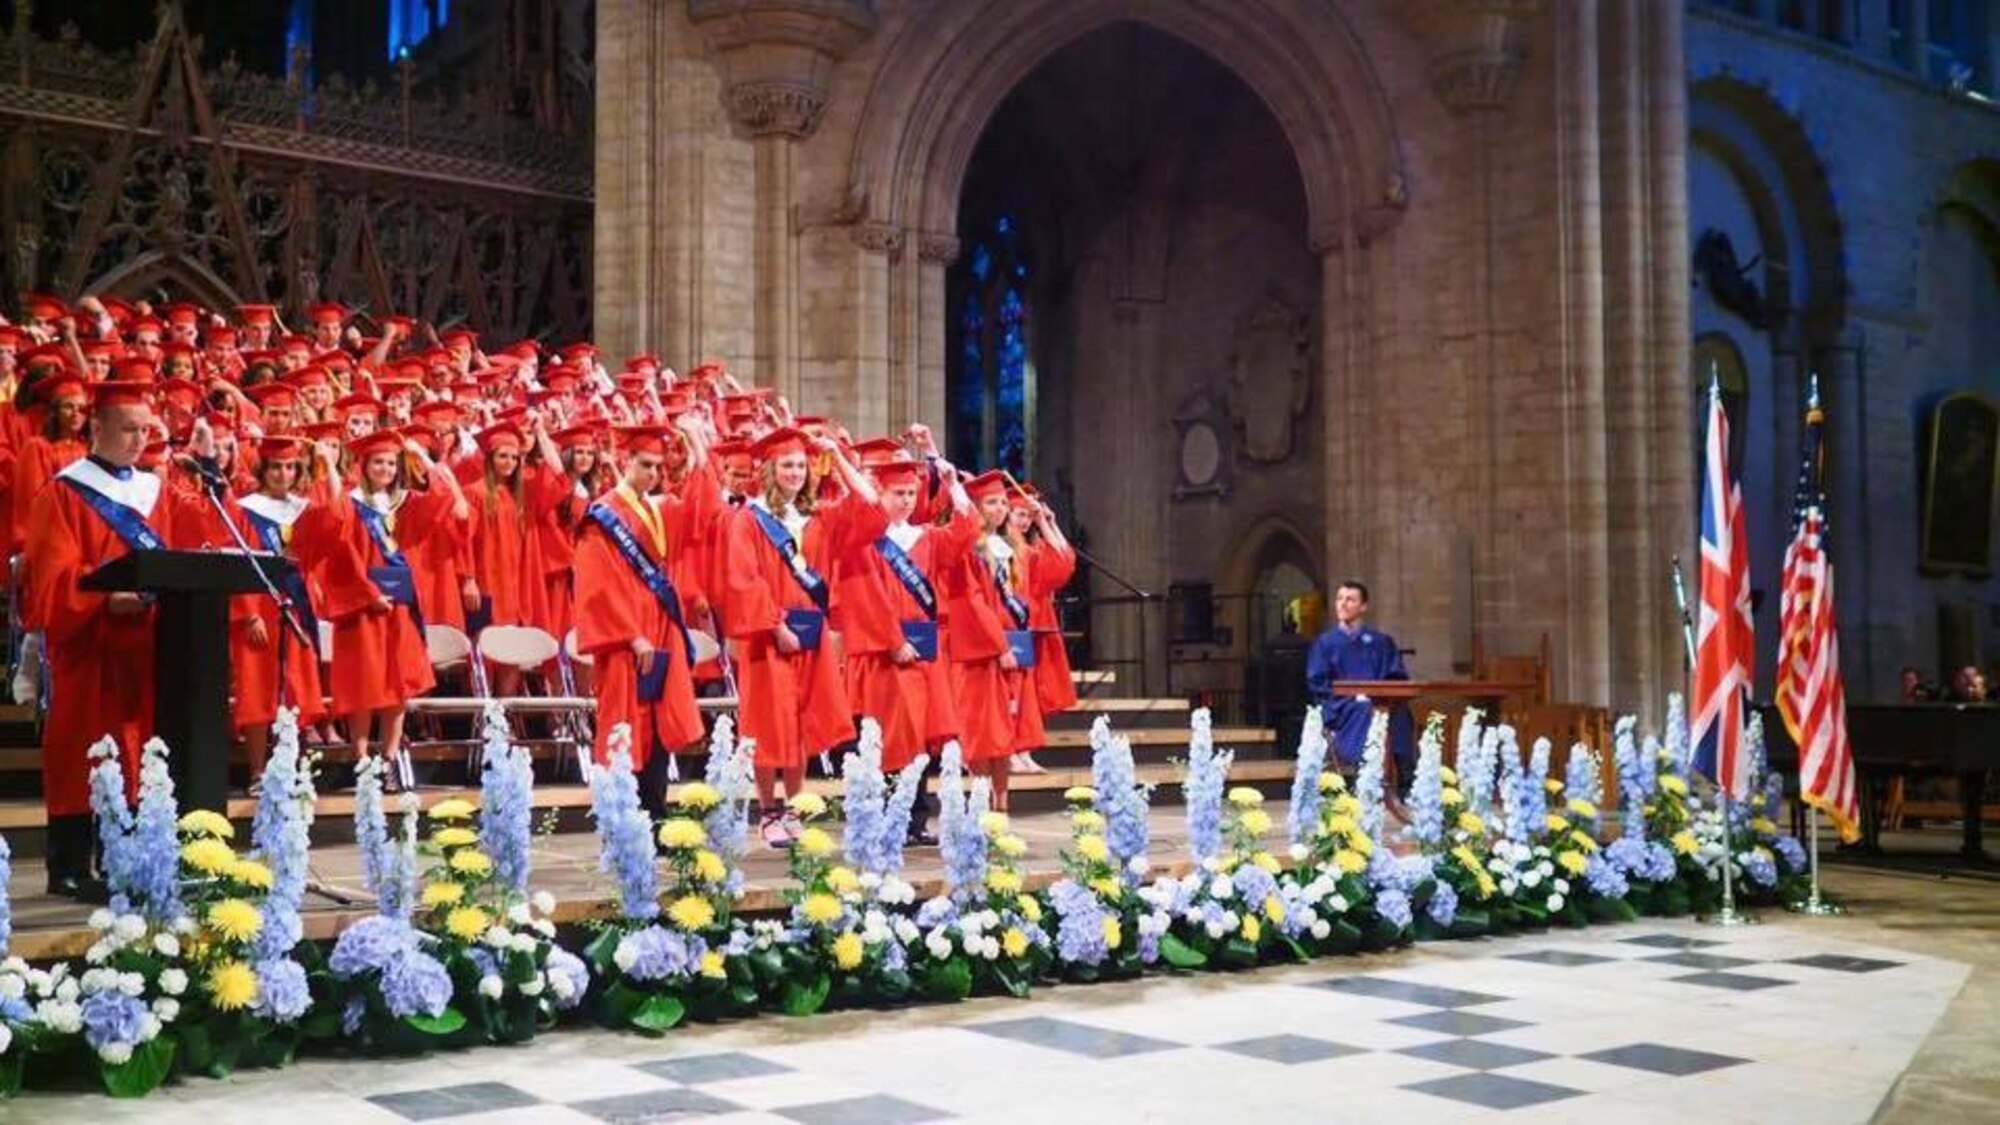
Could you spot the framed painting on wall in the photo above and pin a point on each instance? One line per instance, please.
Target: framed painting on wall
(1963, 457)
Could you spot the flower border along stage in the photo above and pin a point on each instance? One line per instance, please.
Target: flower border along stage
(197, 967)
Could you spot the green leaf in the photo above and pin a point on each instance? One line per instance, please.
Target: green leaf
(1011, 979)
(658, 1013)
(1180, 954)
(143, 1072)
(1236, 954)
(10, 1073)
(601, 949)
(803, 997)
(1297, 951)
(444, 1023)
(948, 981)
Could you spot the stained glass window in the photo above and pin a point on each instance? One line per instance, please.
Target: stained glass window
(992, 391)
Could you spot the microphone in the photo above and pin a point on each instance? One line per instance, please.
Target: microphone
(202, 467)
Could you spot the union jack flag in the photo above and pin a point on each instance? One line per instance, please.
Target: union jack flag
(1811, 697)
(1725, 638)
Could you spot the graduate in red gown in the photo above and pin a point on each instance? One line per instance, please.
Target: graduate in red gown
(59, 441)
(779, 552)
(509, 499)
(585, 473)
(986, 672)
(630, 619)
(100, 646)
(260, 641)
(1051, 561)
(353, 549)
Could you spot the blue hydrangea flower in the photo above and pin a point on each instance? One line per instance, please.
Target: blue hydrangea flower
(282, 993)
(1080, 924)
(112, 1017)
(370, 945)
(1604, 878)
(562, 963)
(1791, 852)
(1394, 907)
(1760, 868)
(658, 953)
(1443, 905)
(415, 984)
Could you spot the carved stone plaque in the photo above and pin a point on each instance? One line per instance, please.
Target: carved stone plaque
(1270, 381)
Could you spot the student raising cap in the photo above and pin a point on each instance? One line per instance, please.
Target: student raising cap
(135, 369)
(41, 306)
(733, 455)
(328, 312)
(779, 443)
(350, 405)
(438, 412)
(281, 447)
(257, 316)
(898, 472)
(381, 441)
(643, 439)
(501, 436)
(274, 396)
(877, 452)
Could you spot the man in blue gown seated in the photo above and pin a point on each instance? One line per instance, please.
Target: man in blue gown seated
(1352, 650)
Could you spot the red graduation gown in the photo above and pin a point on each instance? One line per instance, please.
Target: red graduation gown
(100, 666)
(614, 608)
(1049, 570)
(985, 696)
(507, 548)
(379, 657)
(255, 670)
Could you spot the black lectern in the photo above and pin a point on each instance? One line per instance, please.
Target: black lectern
(191, 654)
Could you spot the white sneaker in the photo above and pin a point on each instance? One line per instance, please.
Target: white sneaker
(1025, 762)
(28, 670)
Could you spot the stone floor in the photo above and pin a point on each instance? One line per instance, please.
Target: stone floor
(1886, 1014)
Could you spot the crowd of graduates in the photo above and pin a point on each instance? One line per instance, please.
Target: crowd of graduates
(685, 534)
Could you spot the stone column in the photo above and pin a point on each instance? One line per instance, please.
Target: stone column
(935, 254)
(777, 58)
(1671, 467)
(867, 412)
(1915, 51)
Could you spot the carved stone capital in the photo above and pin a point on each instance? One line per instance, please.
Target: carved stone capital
(764, 109)
(777, 56)
(879, 238)
(1482, 78)
(937, 249)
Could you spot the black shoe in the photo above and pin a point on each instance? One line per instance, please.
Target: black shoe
(920, 838)
(84, 889)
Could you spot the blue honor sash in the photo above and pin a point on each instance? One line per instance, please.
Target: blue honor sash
(1019, 638)
(395, 579)
(920, 635)
(654, 578)
(126, 523)
(273, 535)
(787, 547)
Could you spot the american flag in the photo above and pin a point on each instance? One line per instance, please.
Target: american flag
(1811, 698)
(1724, 637)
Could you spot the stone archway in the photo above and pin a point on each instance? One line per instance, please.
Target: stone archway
(158, 273)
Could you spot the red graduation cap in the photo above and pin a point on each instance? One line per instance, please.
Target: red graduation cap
(501, 435)
(274, 396)
(257, 316)
(41, 306)
(135, 369)
(328, 312)
(643, 439)
(182, 314)
(282, 447)
(121, 392)
(381, 441)
(992, 482)
(779, 443)
(350, 405)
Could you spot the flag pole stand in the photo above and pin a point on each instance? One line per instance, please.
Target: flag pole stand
(1814, 906)
(1728, 916)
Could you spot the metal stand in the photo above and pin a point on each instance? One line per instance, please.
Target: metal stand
(1728, 916)
(1814, 906)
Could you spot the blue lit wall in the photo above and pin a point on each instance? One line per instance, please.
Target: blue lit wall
(412, 21)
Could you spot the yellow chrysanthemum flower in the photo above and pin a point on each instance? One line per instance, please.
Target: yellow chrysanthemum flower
(1252, 928)
(1341, 826)
(1556, 822)
(454, 808)
(1001, 881)
(1113, 933)
(1465, 857)
(1244, 797)
(1085, 820)
(699, 796)
(1582, 840)
(454, 837)
(1268, 862)
(1013, 943)
(847, 951)
(1092, 848)
(843, 880)
(1347, 804)
(1331, 782)
(993, 823)
(1573, 862)
(1685, 843)
(810, 806)
(235, 920)
(709, 868)
(1469, 821)
(1274, 909)
(1256, 821)
(1350, 862)
(821, 909)
(467, 923)
(1450, 797)
(443, 894)
(1029, 907)
(207, 822)
(1080, 794)
(1763, 826)
(470, 862)
(1486, 885)
(251, 874)
(1447, 775)
(712, 966)
(692, 912)
(1361, 843)
(680, 832)
(1011, 846)
(232, 986)
(1552, 785)
(1108, 888)
(1672, 783)
(815, 843)
(209, 856)
(1580, 807)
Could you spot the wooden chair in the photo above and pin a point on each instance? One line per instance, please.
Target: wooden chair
(1527, 668)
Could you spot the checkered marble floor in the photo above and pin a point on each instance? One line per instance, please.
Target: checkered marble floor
(1658, 1021)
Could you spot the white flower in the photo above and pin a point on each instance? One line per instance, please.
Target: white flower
(518, 914)
(1139, 865)
(1507, 887)
(1531, 878)
(490, 987)
(173, 982)
(531, 987)
(991, 949)
(522, 943)
(938, 943)
(166, 944)
(1221, 887)
(185, 925)
(561, 985)
(115, 1053)
(131, 984)
(543, 927)
(869, 880)
(1555, 903)
(130, 928)
(498, 937)
(1215, 929)
(6, 1038)
(101, 919)
(167, 1008)
(974, 944)
(150, 1028)
(906, 930)
(1321, 928)
(625, 956)
(1337, 903)
(1561, 885)
(98, 952)
(14, 965)
(544, 902)
(13, 987)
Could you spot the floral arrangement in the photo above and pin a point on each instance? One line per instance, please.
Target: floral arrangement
(1453, 838)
